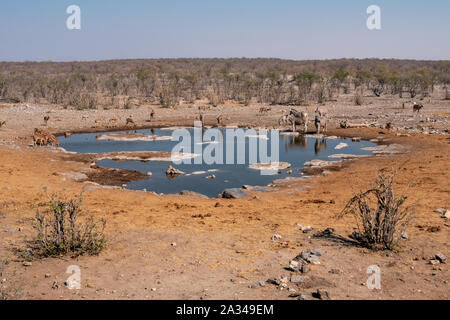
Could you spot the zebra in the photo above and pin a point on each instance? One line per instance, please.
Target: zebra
(299, 117)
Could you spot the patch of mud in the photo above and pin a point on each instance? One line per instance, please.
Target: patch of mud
(347, 156)
(114, 177)
(143, 156)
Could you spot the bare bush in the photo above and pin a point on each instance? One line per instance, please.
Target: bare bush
(59, 230)
(379, 213)
(359, 100)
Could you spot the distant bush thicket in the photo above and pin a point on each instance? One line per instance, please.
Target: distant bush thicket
(85, 85)
(60, 231)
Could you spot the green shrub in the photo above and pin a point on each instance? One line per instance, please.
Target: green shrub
(60, 232)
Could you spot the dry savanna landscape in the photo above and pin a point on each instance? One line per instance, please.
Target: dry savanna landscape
(364, 227)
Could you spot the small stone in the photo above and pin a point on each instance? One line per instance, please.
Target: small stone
(153, 289)
(441, 257)
(306, 229)
(434, 262)
(27, 264)
(295, 265)
(273, 281)
(90, 285)
(283, 286)
(257, 285)
(316, 252)
(321, 294)
(55, 285)
(173, 244)
(48, 275)
(404, 235)
(334, 271)
(302, 297)
(284, 279)
(276, 237)
(305, 269)
(297, 279)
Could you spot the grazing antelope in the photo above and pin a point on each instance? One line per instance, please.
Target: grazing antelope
(42, 137)
(2, 123)
(264, 109)
(46, 118)
(113, 121)
(130, 121)
(98, 121)
(52, 140)
(417, 107)
(152, 114)
(300, 118)
(219, 119)
(39, 139)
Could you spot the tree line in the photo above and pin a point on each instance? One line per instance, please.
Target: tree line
(169, 82)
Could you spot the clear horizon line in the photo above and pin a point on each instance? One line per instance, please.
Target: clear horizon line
(222, 58)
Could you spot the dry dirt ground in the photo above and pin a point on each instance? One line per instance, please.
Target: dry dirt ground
(220, 256)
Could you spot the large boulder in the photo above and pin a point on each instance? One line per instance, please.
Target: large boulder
(233, 193)
(193, 194)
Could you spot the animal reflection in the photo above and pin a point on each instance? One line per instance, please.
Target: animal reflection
(296, 141)
(320, 145)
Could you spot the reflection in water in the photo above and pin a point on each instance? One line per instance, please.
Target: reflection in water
(319, 145)
(296, 141)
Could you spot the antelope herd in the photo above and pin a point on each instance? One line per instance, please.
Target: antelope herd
(43, 138)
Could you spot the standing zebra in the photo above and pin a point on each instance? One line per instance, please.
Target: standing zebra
(300, 118)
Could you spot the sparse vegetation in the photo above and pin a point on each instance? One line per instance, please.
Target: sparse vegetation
(89, 85)
(359, 100)
(60, 231)
(380, 214)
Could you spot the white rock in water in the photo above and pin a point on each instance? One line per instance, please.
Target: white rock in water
(273, 166)
(341, 146)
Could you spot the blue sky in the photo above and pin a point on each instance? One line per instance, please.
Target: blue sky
(319, 29)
